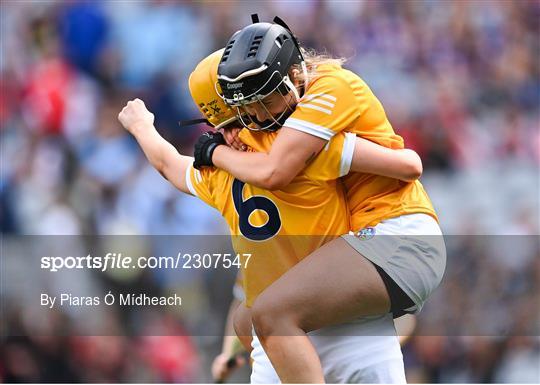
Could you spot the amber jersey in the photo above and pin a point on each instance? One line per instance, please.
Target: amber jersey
(279, 228)
(338, 100)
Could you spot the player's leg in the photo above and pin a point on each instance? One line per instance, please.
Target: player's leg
(262, 371)
(364, 351)
(337, 283)
(332, 285)
(242, 325)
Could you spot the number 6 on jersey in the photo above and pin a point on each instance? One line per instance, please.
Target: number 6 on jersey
(245, 208)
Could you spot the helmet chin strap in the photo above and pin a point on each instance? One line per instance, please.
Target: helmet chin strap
(291, 86)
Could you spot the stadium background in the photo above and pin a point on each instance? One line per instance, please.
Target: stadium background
(459, 80)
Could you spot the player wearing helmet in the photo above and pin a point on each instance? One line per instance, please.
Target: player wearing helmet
(376, 274)
(204, 96)
(325, 204)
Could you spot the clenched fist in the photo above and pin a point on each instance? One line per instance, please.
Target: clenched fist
(224, 365)
(135, 116)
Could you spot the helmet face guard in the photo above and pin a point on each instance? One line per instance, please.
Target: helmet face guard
(273, 123)
(255, 64)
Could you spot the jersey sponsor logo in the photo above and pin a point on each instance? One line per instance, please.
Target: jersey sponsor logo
(366, 233)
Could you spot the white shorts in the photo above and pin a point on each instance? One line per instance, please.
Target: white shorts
(363, 351)
(262, 371)
(410, 249)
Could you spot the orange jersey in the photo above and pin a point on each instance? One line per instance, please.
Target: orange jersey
(338, 100)
(267, 224)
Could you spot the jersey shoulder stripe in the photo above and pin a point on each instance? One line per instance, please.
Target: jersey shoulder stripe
(309, 97)
(317, 101)
(314, 107)
(310, 128)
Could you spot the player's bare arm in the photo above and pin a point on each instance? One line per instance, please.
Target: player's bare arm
(293, 149)
(162, 155)
(273, 170)
(402, 164)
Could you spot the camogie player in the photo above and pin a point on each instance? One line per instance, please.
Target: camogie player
(258, 218)
(396, 256)
(220, 116)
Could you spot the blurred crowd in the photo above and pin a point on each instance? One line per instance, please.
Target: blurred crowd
(460, 81)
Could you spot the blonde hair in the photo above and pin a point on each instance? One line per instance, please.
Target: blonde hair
(313, 59)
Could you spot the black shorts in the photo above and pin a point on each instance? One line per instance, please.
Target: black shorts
(399, 301)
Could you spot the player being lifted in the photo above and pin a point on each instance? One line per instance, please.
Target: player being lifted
(258, 218)
(202, 87)
(266, 77)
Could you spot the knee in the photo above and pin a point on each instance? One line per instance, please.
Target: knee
(262, 314)
(271, 318)
(242, 321)
(242, 326)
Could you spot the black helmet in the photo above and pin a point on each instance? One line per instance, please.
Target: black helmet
(256, 62)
